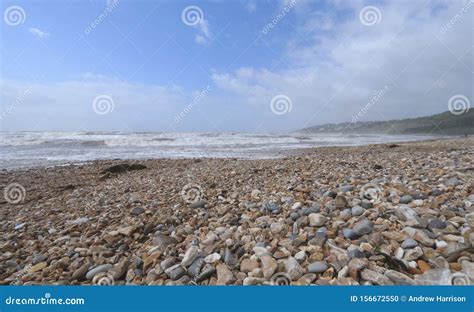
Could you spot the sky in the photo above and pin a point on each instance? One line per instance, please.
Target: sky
(232, 66)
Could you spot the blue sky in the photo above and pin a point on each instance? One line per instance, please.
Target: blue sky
(319, 62)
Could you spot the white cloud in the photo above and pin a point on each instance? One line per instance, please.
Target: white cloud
(251, 6)
(39, 33)
(68, 105)
(204, 35)
(335, 70)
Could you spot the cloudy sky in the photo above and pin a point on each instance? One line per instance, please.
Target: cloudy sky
(238, 65)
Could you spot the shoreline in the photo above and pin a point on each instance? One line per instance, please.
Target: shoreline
(277, 154)
(382, 214)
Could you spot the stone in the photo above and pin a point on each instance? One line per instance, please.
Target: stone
(195, 268)
(248, 281)
(413, 254)
(419, 236)
(423, 266)
(224, 275)
(293, 268)
(248, 265)
(406, 199)
(399, 278)
(357, 211)
(230, 258)
(162, 240)
(341, 202)
(441, 244)
(190, 255)
(375, 277)
(168, 262)
(409, 243)
(80, 273)
(98, 269)
(346, 188)
(300, 256)
(137, 211)
(310, 210)
(349, 233)
(318, 267)
(150, 261)
(453, 182)
(436, 224)
(38, 258)
(317, 219)
(269, 265)
(277, 227)
(296, 206)
(213, 258)
(175, 272)
(38, 267)
(318, 239)
(119, 269)
(198, 204)
(363, 227)
(356, 265)
(127, 231)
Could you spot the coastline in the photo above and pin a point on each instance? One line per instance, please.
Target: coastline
(397, 213)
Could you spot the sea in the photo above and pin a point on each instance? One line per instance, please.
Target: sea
(32, 149)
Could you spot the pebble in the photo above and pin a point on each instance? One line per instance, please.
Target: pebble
(191, 254)
(302, 216)
(137, 211)
(363, 227)
(349, 233)
(409, 243)
(98, 269)
(248, 265)
(81, 272)
(198, 204)
(406, 199)
(317, 267)
(357, 211)
(341, 202)
(269, 265)
(212, 258)
(375, 277)
(317, 219)
(224, 275)
(174, 272)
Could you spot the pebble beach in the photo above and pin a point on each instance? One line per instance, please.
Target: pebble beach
(387, 214)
